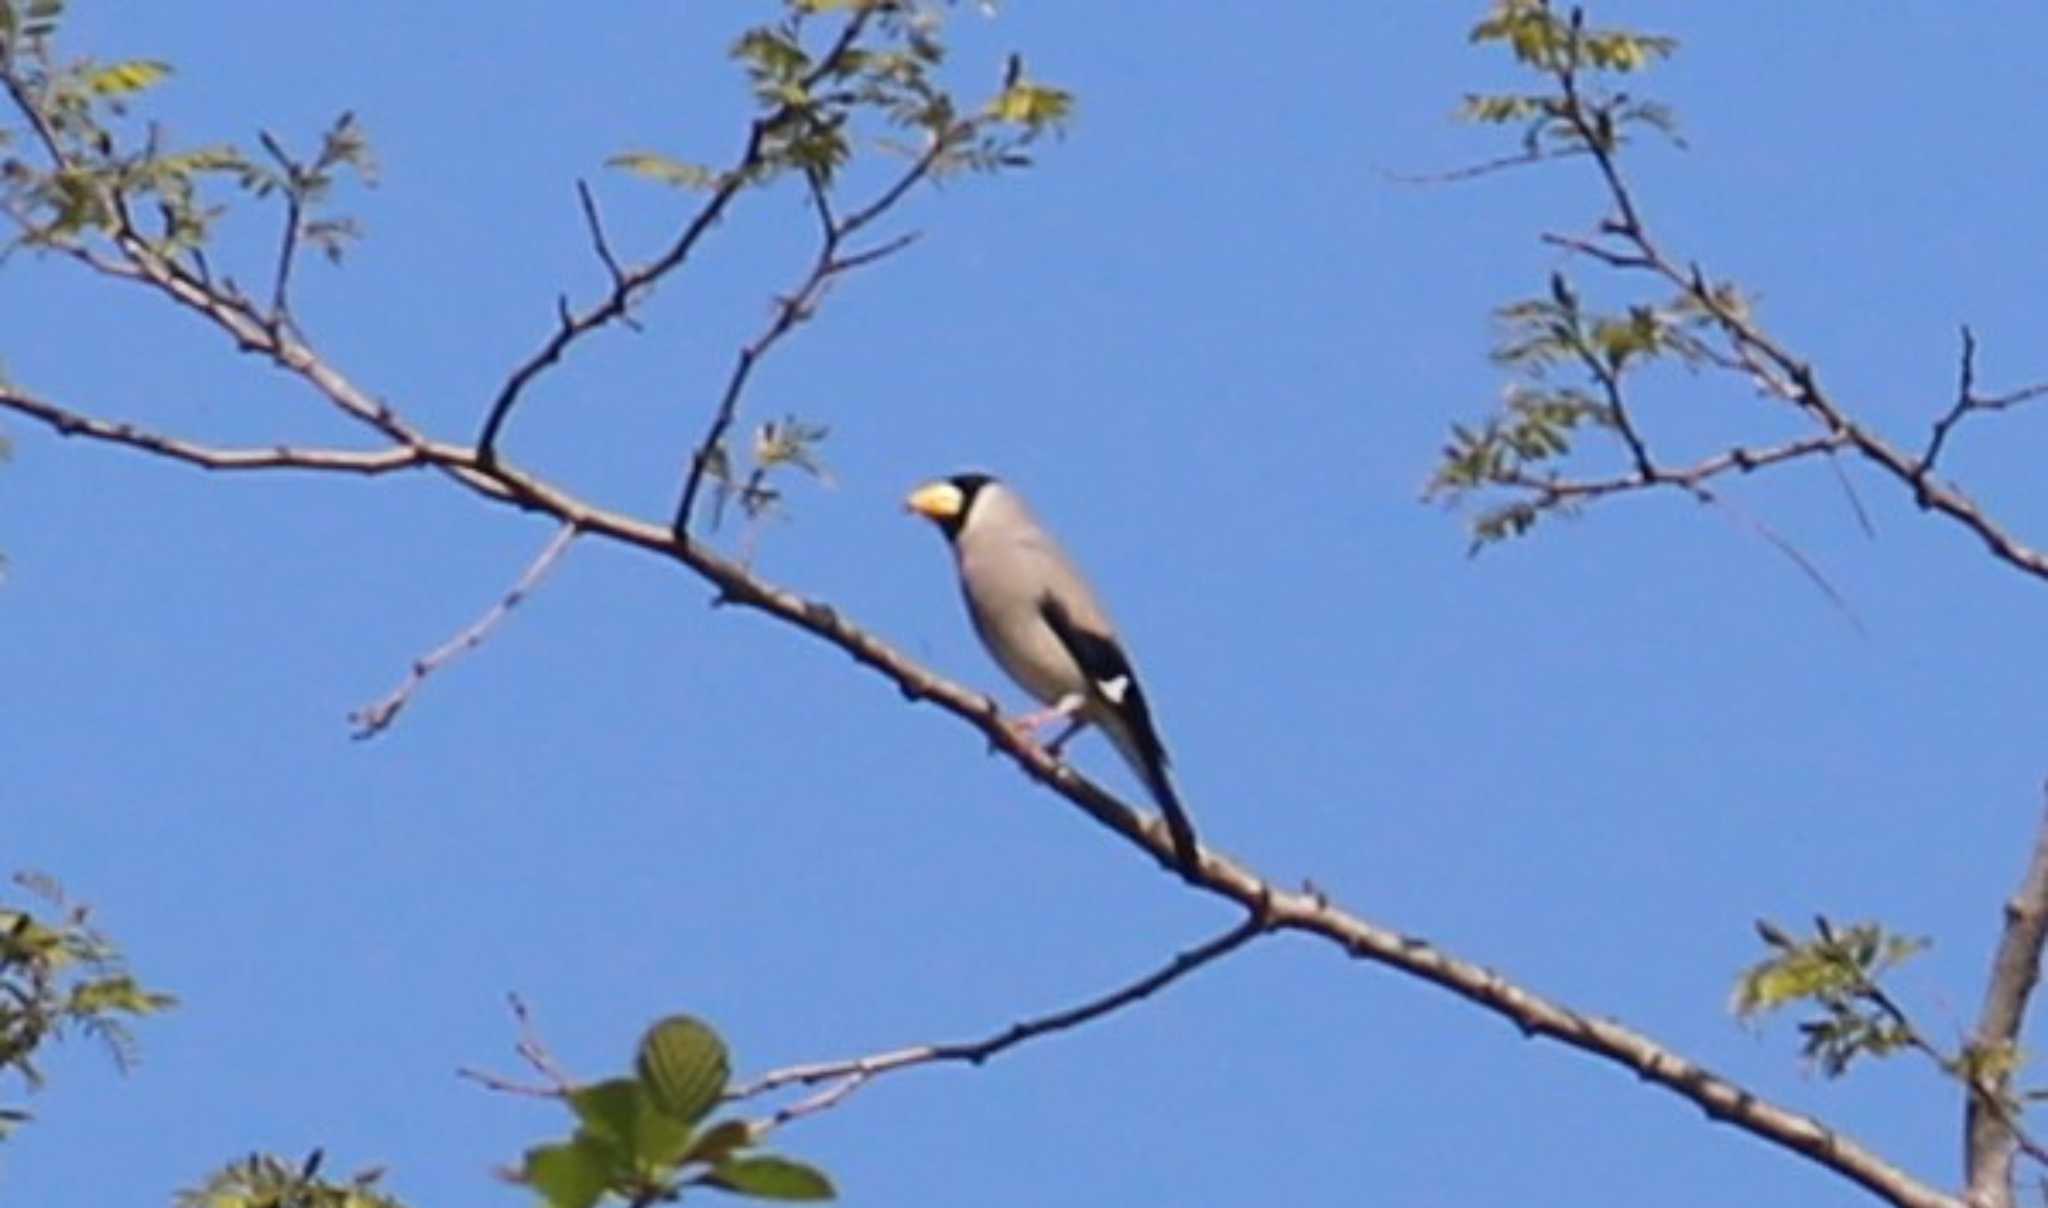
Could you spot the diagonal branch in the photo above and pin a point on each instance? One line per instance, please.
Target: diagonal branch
(32, 109)
(1988, 1127)
(1310, 913)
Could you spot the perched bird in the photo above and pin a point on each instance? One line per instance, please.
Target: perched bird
(1043, 625)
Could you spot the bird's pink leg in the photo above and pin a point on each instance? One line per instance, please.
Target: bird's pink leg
(1027, 726)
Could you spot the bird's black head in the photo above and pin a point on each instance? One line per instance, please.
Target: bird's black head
(947, 502)
(970, 485)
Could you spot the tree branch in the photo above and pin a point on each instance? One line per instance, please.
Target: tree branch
(627, 287)
(1551, 492)
(1310, 913)
(1778, 372)
(288, 239)
(1967, 401)
(72, 423)
(1988, 1127)
(373, 718)
(850, 1075)
(798, 305)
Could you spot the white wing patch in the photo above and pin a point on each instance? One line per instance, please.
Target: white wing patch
(1113, 690)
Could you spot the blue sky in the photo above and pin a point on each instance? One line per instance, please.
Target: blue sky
(1218, 346)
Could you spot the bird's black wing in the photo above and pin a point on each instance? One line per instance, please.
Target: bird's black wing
(1109, 674)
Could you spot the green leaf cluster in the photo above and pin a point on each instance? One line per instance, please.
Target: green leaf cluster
(869, 77)
(1540, 38)
(645, 1139)
(73, 169)
(1837, 970)
(1543, 338)
(59, 973)
(267, 1181)
(28, 24)
(790, 441)
(1575, 116)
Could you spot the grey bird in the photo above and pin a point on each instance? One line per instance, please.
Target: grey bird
(1043, 625)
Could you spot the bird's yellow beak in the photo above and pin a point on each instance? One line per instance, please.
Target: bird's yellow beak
(936, 501)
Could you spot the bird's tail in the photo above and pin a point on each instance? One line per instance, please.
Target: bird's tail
(1185, 848)
(1148, 760)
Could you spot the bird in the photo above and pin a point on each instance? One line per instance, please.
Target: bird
(1044, 627)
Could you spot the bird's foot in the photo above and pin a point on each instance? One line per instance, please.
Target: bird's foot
(1026, 727)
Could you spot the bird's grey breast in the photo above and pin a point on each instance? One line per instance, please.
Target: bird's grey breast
(1005, 577)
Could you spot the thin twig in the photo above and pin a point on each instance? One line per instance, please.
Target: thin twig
(1784, 545)
(1596, 251)
(1966, 376)
(1967, 401)
(1488, 168)
(861, 259)
(1551, 492)
(372, 719)
(796, 306)
(1863, 520)
(1597, 142)
(38, 120)
(72, 423)
(288, 241)
(597, 237)
(535, 1053)
(850, 1075)
(1609, 380)
(627, 287)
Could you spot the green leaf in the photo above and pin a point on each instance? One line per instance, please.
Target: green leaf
(665, 170)
(1032, 106)
(769, 1178)
(684, 1067)
(619, 1112)
(608, 1107)
(120, 79)
(720, 1141)
(574, 1175)
(1505, 107)
(771, 55)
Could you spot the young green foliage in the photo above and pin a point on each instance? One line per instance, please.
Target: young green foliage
(267, 1181)
(1837, 971)
(790, 442)
(1541, 339)
(834, 84)
(869, 78)
(308, 185)
(643, 1139)
(1520, 445)
(57, 973)
(76, 169)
